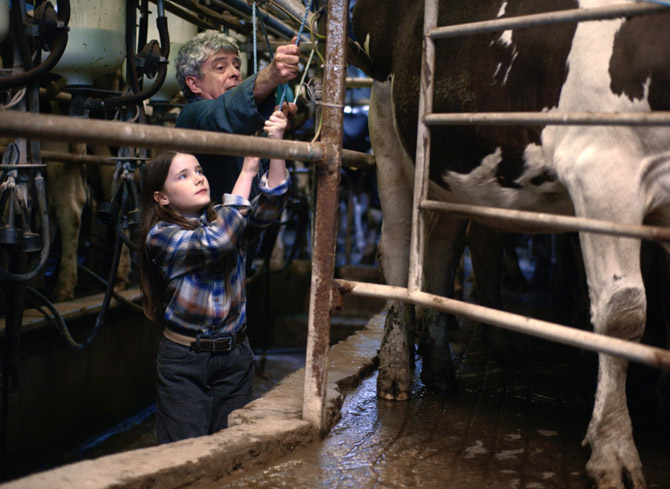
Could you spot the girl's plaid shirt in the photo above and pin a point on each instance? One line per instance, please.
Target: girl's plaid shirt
(204, 269)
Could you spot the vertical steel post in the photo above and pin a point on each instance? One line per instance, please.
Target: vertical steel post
(422, 162)
(325, 222)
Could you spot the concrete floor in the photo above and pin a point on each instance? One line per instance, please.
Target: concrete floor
(516, 426)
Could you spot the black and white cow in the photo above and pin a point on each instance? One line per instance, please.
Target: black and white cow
(606, 172)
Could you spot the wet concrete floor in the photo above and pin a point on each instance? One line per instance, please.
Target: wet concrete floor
(515, 426)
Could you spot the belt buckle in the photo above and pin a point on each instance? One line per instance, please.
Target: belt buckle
(226, 344)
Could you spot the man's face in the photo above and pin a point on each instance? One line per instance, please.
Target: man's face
(220, 73)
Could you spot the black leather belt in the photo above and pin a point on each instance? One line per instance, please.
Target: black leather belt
(221, 343)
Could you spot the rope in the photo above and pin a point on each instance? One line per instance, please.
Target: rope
(297, 43)
(254, 22)
(265, 35)
(304, 74)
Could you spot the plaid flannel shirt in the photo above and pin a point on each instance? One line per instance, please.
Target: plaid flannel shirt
(204, 269)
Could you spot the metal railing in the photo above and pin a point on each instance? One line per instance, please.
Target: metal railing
(540, 221)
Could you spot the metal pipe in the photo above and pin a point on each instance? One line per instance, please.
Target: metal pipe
(647, 355)
(544, 222)
(423, 146)
(48, 155)
(356, 159)
(180, 8)
(656, 118)
(325, 222)
(73, 129)
(557, 17)
(295, 9)
(270, 22)
(359, 82)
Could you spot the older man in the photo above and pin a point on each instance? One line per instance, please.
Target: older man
(208, 72)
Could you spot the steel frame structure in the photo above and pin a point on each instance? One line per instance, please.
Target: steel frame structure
(656, 357)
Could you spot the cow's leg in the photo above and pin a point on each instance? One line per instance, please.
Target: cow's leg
(66, 187)
(618, 309)
(444, 248)
(394, 378)
(487, 247)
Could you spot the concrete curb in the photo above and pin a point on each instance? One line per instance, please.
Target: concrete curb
(261, 432)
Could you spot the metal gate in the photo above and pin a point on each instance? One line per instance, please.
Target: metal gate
(413, 294)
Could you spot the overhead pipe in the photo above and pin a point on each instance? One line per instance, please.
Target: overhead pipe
(57, 49)
(184, 10)
(296, 9)
(270, 22)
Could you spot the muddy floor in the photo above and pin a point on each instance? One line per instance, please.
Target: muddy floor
(516, 422)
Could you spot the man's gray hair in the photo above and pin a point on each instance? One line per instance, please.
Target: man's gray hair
(195, 51)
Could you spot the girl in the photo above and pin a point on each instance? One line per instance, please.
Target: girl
(192, 269)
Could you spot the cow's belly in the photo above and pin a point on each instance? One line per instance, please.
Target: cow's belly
(532, 191)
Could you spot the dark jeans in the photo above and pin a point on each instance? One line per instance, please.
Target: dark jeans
(197, 391)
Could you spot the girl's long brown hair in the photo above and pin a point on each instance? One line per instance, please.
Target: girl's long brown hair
(151, 282)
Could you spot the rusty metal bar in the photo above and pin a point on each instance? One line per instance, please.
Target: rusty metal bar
(72, 129)
(356, 159)
(544, 222)
(657, 118)
(325, 222)
(421, 172)
(358, 82)
(655, 357)
(557, 17)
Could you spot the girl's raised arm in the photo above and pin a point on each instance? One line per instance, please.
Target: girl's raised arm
(275, 127)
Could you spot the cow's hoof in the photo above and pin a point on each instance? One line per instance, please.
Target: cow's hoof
(617, 469)
(393, 396)
(391, 388)
(606, 478)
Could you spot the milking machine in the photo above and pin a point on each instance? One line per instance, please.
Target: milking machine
(23, 200)
(97, 46)
(80, 48)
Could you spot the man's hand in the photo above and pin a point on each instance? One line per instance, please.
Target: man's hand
(285, 63)
(283, 68)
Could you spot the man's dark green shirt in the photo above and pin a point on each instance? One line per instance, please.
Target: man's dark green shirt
(234, 112)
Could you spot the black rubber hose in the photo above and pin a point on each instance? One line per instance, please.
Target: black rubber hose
(98, 104)
(33, 73)
(40, 188)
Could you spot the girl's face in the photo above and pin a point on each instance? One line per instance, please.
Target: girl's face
(186, 188)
